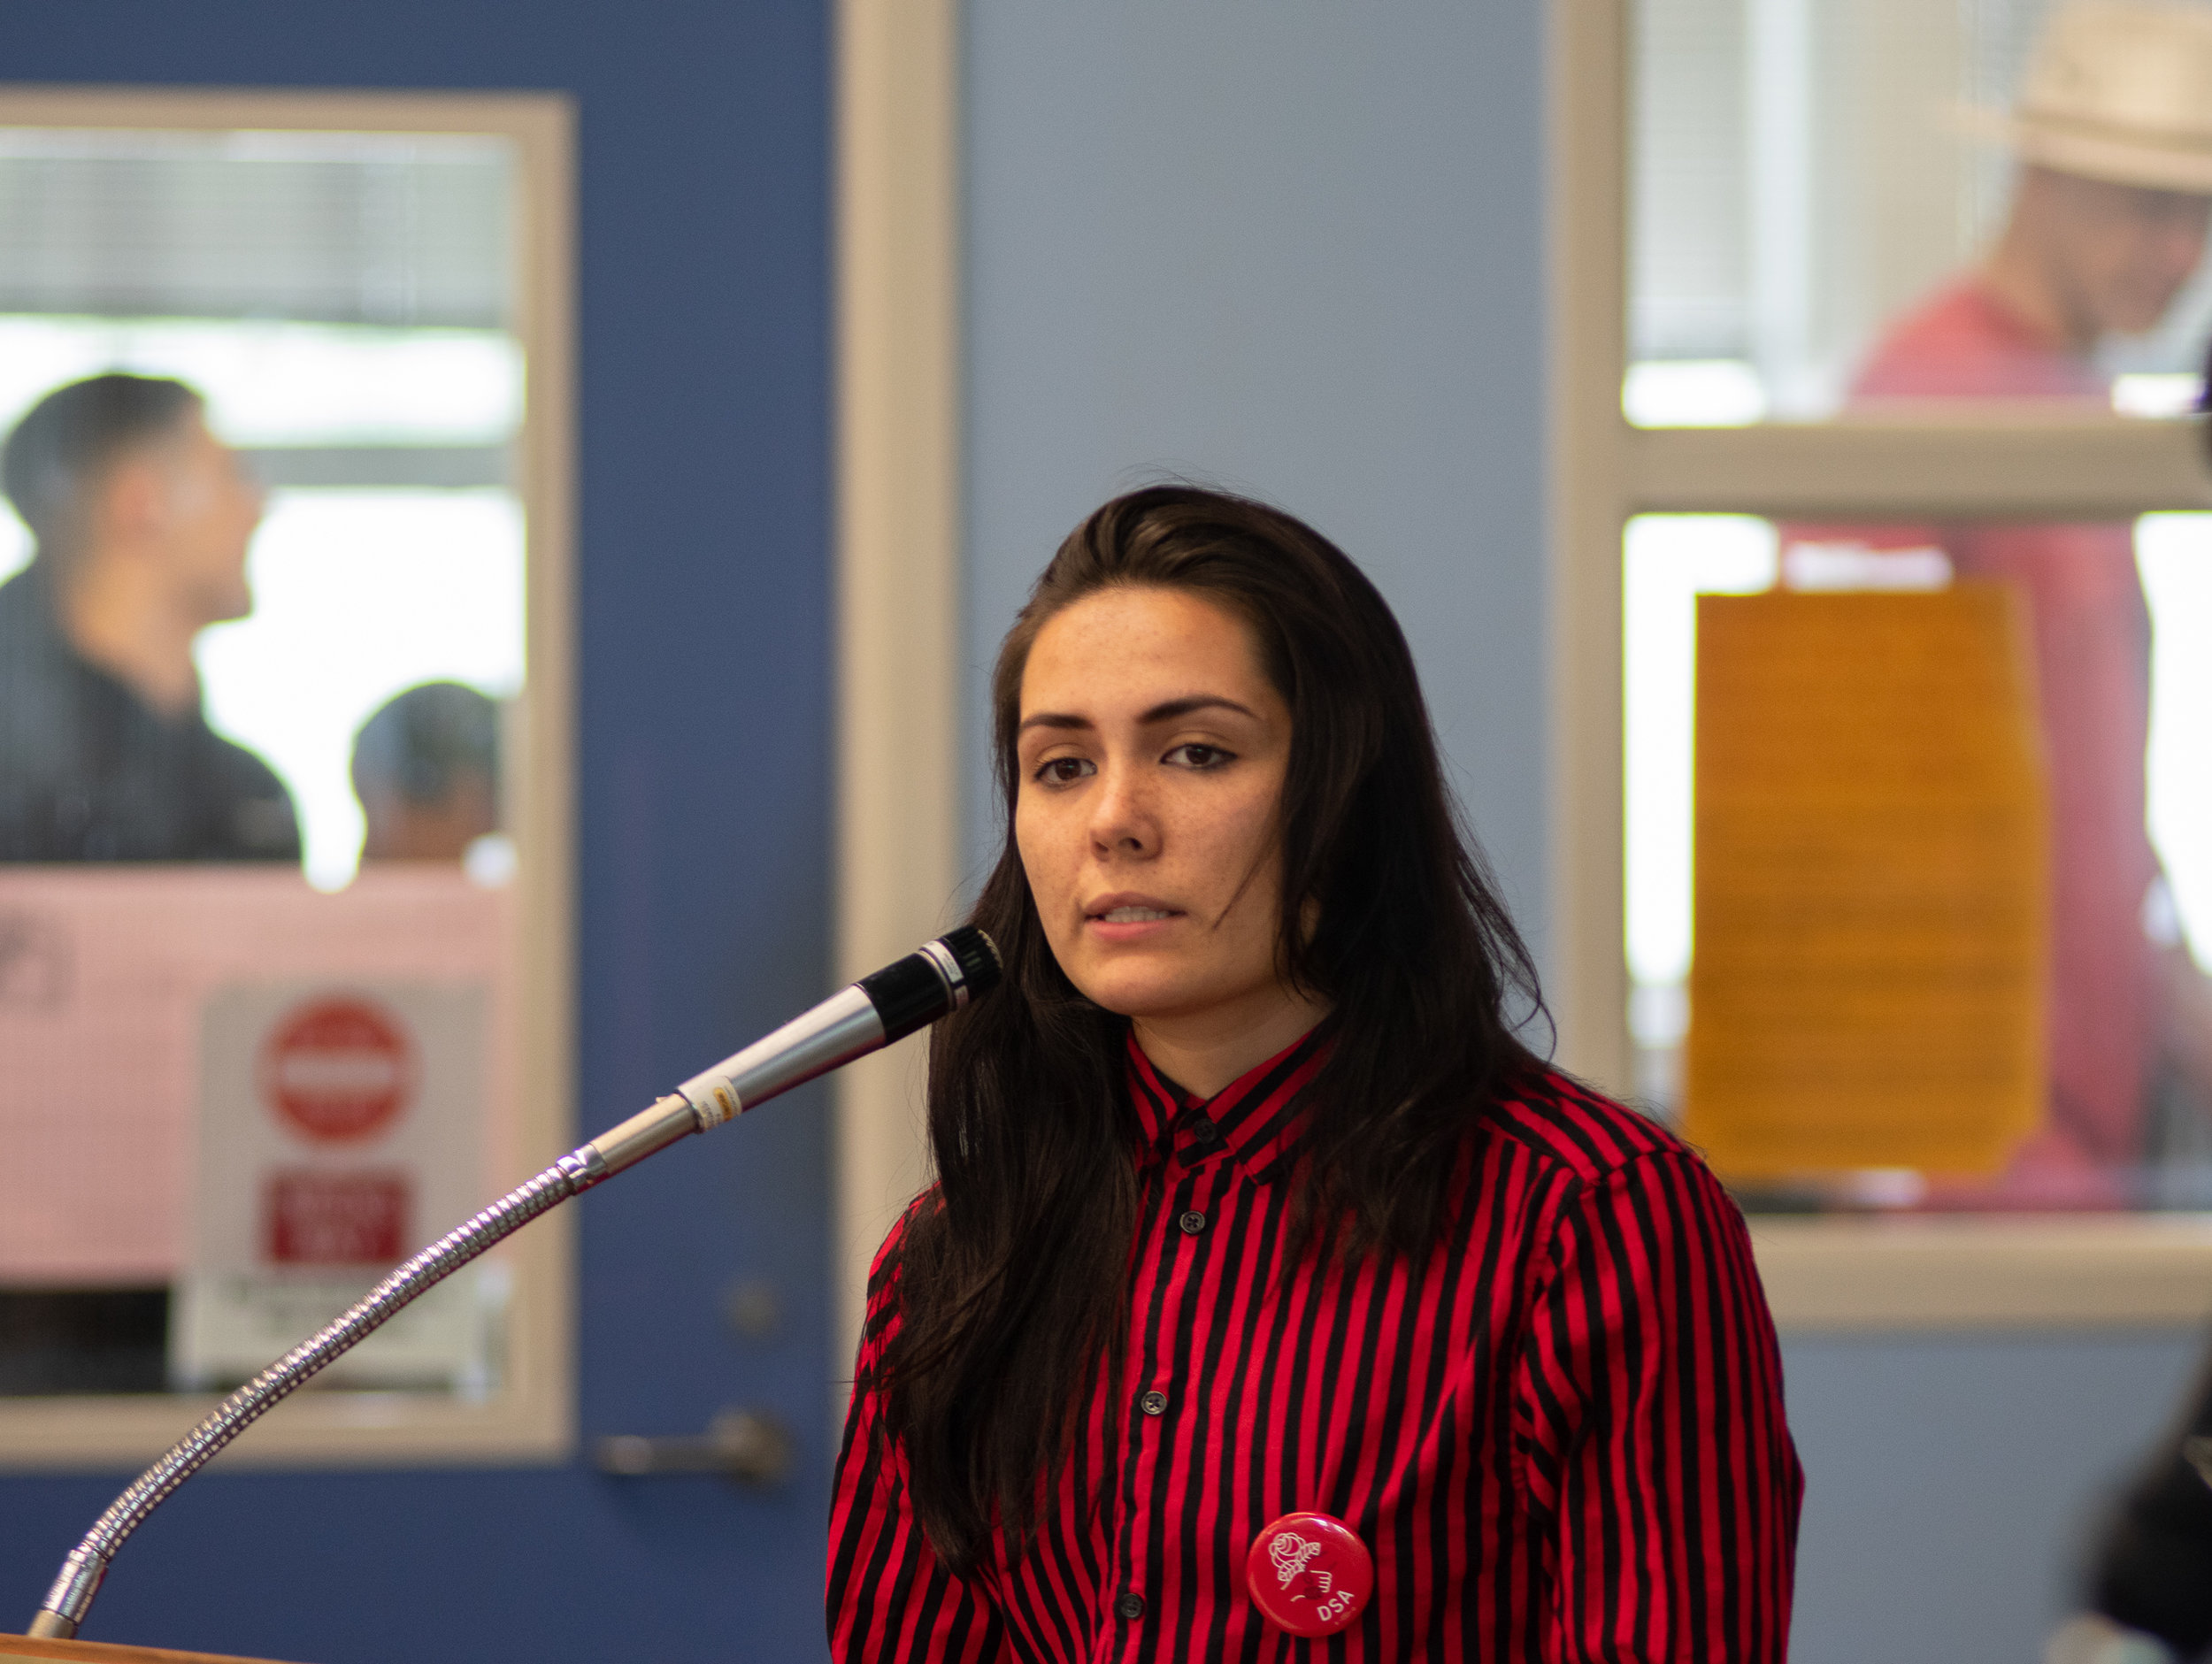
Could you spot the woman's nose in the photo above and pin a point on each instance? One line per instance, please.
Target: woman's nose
(1121, 814)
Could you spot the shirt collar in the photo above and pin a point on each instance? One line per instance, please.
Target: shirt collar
(1253, 1117)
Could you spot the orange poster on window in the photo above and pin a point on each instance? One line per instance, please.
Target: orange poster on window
(1871, 914)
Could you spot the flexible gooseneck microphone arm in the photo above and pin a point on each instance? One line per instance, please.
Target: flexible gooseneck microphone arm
(913, 993)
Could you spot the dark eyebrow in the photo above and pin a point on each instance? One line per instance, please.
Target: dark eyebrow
(1175, 708)
(1053, 719)
(1167, 712)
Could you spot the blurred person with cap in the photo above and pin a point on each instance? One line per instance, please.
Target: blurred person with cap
(2112, 133)
(142, 519)
(425, 768)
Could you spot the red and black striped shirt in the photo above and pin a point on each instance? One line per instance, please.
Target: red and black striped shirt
(1560, 1434)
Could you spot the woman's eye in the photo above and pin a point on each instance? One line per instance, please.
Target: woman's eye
(1199, 755)
(1061, 770)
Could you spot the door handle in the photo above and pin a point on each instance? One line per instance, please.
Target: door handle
(747, 1447)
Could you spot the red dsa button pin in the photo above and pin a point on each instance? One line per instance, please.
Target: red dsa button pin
(1309, 1573)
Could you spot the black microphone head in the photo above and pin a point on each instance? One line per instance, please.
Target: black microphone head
(934, 980)
(977, 954)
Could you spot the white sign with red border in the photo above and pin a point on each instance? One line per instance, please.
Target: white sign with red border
(341, 1127)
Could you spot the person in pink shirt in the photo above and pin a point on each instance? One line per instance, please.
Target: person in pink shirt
(2108, 221)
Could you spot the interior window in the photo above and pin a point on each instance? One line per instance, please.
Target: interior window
(1670, 562)
(257, 978)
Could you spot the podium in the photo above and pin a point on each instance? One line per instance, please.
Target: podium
(102, 1652)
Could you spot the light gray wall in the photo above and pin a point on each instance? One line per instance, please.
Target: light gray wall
(1951, 1481)
(1293, 247)
(1296, 248)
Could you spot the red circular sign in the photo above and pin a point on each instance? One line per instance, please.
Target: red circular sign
(1309, 1573)
(338, 1070)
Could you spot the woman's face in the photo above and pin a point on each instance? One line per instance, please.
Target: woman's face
(1152, 753)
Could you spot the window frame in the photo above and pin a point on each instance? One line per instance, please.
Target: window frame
(2103, 1272)
(898, 586)
(532, 1419)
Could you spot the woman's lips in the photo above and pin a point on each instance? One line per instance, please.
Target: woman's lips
(1119, 920)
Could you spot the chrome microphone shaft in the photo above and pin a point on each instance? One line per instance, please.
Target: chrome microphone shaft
(936, 979)
(841, 1028)
(942, 977)
(71, 1597)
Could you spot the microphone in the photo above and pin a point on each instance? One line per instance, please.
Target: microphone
(936, 979)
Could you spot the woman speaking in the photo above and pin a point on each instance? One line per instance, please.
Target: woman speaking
(1271, 1288)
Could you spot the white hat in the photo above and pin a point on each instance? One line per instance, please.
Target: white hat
(2120, 91)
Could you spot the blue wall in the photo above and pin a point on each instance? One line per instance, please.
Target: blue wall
(705, 815)
(1297, 247)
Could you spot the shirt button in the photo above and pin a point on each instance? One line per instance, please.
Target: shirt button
(1130, 1606)
(1192, 1222)
(1153, 1403)
(1205, 1131)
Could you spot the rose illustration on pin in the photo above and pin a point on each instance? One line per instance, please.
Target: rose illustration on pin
(1291, 1555)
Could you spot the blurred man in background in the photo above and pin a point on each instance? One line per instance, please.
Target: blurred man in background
(2113, 135)
(142, 519)
(425, 768)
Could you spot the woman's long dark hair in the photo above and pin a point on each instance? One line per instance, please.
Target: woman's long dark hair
(1011, 1278)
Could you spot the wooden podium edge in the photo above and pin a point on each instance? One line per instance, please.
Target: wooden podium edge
(107, 1653)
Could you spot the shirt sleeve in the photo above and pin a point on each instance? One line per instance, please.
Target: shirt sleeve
(889, 1598)
(1658, 1463)
(2152, 1568)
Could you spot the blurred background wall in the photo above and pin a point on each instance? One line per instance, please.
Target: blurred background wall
(1272, 243)
(1296, 252)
